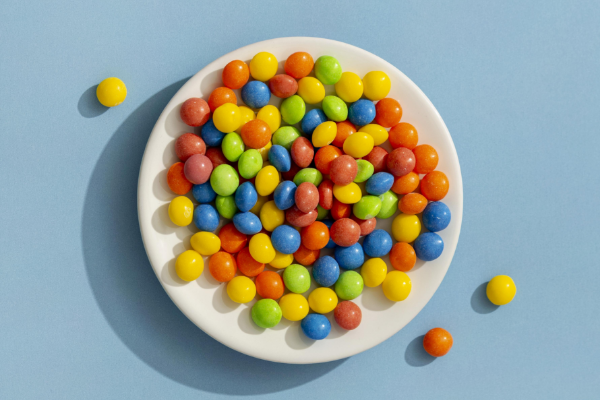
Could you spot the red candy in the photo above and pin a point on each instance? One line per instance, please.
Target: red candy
(326, 194)
(300, 219)
(194, 112)
(437, 342)
(176, 179)
(302, 152)
(426, 159)
(340, 210)
(220, 96)
(435, 185)
(315, 236)
(222, 266)
(256, 134)
(307, 197)
(198, 169)
(388, 112)
(289, 176)
(378, 157)
(235, 74)
(189, 144)
(232, 240)
(283, 86)
(366, 225)
(269, 285)
(248, 265)
(403, 135)
(216, 156)
(347, 315)
(401, 161)
(325, 157)
(299, 65)
(343, 170)
(345, 232)
(306, 256)
(344, 129)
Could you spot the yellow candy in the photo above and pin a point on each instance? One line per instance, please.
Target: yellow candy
(271, 216)
(246, 115)
(181, 211)
(111, 92)
(397, 286)
(264, 152)
(347, 194)
(267, 180)
(227, 118)
(205, 243)
(263, 66)
(261, 248)
(324, 134)
(271, 115)
(259, 204)
(359, 144)
(374, 272)
(282, 260)
(311, 90)
(189, 265)
(377, 85)
(501, 290)
(241, 289)
(377, 132)
(322, 300)
(349, 88)
(406, 228)
(294, 307)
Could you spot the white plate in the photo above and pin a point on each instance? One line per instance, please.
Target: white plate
(205, 301)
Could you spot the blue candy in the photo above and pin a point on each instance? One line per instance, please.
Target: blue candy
(246, 196)
(379, 183)
(436, 216)
(285, 195)
(247, 223)
(377, 243)
(285, 239)
(331, 244)
(206, 218)
(361, 112)
(428, 246)
(326, 271)
(256, 94)
(311, 120)
(280, 158)
(350, 257)
(211, 135)
(204, 193)
(316, 326)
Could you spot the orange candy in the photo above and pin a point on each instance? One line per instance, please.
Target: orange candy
(232, 240)
(388, 112)
(404, 135)
(426, 159)
(435, 185)
(437, 342)
(340, 210)
(325, 157)
(412, 203)
(235, 74)
(403, 257)
(220, 96)
(306, 256)
(269, 285)
(248, 265)
(222, 266)
(405, 184)
(256, 134)
(344, 129)
(315, 236)
(176, 179)
(299, 65)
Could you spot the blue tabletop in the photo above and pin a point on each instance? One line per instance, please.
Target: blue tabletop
(83, 316)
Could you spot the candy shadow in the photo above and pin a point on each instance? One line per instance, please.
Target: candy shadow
(88, 104)
(480, 302)
(415, 355)
(131, 298)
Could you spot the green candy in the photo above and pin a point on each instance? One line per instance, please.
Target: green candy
(322, 213)
(224, 180)
(266, 313)
(328, 70)
(308, 175)
(367, 207)
(389, 204)
(335, 108)
(250, 163)
(293, 109)
(232, 146)
(296, 278)
(349, 285)
(365, 170)
(226, 206)
(285, 136)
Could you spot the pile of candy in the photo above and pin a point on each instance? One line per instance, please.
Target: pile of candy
(320, 181)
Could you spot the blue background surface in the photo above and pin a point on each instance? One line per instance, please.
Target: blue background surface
(83, 315)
